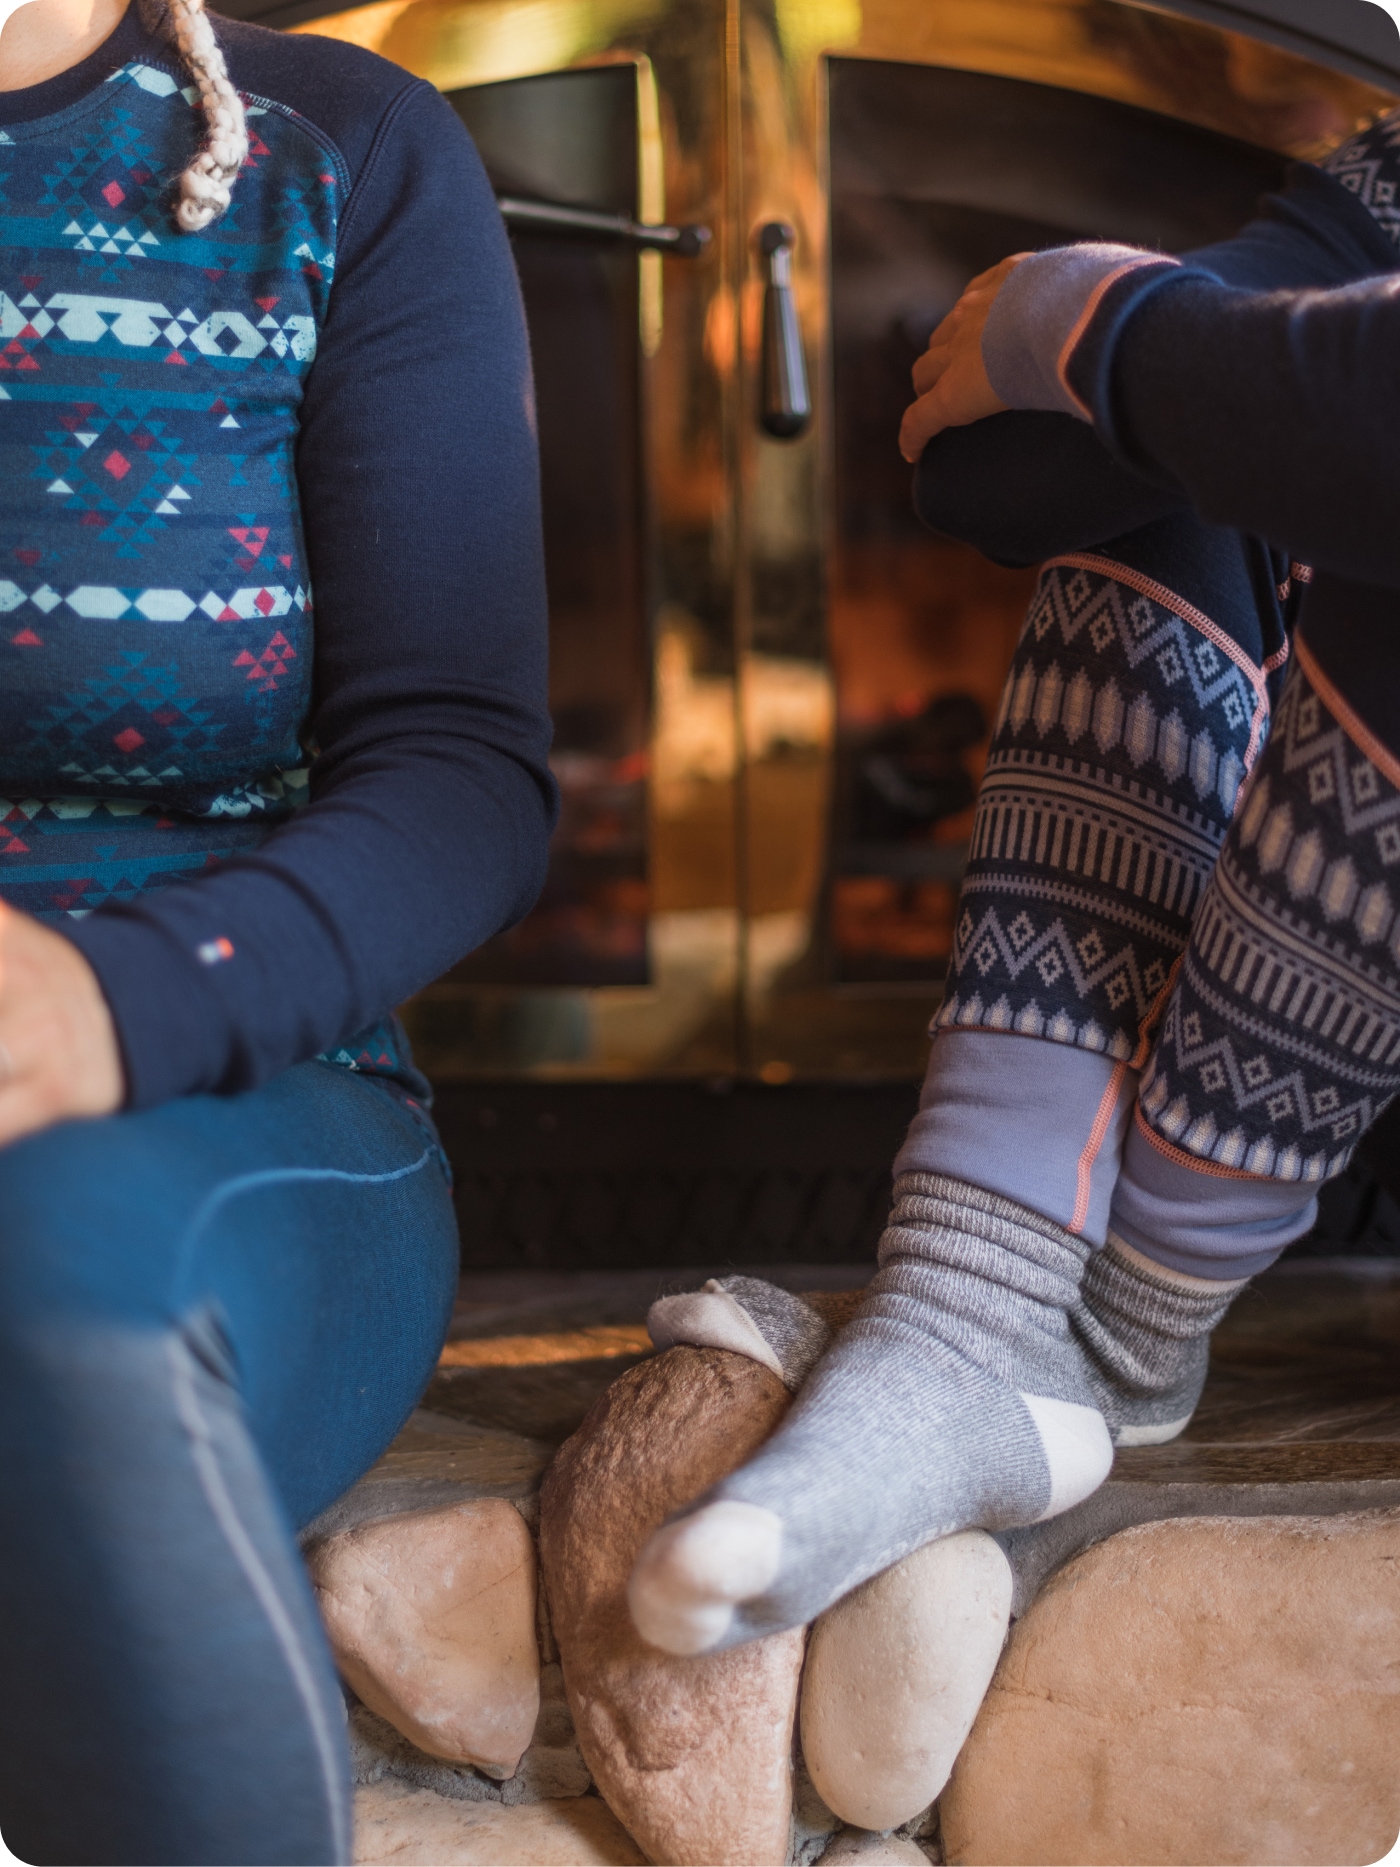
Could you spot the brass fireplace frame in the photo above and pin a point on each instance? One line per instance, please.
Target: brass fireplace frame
(732, 128)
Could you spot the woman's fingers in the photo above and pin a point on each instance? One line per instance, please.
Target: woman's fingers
(969, 314)
(962, 394)
(922, 420)
(997, 275)
(55, 1084)
(950, 378)
(58, 1049)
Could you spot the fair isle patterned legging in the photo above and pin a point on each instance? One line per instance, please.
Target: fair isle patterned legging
(1245, 959)
(1161, 873)
(1281, 1040)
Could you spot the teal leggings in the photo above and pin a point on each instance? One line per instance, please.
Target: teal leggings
(214, 1317)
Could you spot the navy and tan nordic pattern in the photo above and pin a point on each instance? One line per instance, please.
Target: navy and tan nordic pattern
(155, 602)
(1127, 725)
(1367, 165)
(1281, 1043)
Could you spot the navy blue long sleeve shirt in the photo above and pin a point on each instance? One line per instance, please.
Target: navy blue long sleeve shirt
(1035, 483)
(1272, 411)
(273, 736)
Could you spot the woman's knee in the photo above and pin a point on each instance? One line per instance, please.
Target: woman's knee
(89, 1211)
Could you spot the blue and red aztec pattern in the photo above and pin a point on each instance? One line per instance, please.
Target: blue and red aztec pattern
(155, 604)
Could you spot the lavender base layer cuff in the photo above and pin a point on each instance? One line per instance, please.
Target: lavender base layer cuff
(1200, 1221)
(1037, 1122)
(1036, 315)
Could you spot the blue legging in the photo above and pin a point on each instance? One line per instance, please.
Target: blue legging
(213, 1317)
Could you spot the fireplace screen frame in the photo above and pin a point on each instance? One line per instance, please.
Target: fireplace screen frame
(742, 574)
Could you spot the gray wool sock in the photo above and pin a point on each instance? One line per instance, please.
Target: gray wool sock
(1145, 1331)
(955, 1398)
(748, 1316)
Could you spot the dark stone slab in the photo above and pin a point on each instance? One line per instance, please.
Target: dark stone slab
(546, 1403)
(547, 1400)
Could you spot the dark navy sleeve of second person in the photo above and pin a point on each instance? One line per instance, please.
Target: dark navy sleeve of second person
(1030, 484)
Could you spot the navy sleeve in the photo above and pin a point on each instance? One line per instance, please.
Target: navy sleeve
(1031, 484)
(1275, 413)
(431, 796)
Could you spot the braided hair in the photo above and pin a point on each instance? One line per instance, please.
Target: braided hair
(205, 186)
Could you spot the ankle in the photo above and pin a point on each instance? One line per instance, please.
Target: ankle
(1164, 1274)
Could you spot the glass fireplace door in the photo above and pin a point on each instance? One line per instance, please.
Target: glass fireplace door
(772, 686)
(931, 172)
(935, 176)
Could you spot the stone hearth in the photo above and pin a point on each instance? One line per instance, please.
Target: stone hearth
(1204, 1664)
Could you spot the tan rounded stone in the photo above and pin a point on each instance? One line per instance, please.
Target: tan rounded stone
(397, 1826)
(431, 1617)
(693, 1754)
(895, 1675)
(854, 1847)
(1202, 1690)
(835, 1307)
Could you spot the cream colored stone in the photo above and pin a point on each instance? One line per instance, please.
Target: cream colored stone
(551, 1770)
(895, 1674)
(856, 1847)
(396, 1826)
(1203, 1690)
(431, 1618)
(693, 1754)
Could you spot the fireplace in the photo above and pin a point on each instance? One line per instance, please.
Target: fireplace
(736, 222)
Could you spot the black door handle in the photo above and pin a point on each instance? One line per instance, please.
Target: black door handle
(785, 399)
(553, 217)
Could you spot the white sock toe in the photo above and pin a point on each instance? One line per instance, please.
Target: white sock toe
(691, 1574)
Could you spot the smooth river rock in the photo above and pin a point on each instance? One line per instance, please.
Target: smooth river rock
(431, 1618)
(1201, 1690)
(895, 1675)
(551, 1770)
(694, 1755)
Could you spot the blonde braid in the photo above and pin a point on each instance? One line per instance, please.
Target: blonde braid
(206, 185)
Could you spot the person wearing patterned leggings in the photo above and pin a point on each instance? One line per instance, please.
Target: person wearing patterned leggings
(1174, 1001)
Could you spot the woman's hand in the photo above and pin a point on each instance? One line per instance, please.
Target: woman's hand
(58, 1049)
(950, 378)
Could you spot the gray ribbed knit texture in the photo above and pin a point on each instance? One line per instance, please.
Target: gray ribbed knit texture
(911, 1426)
(1146, 1342)
(790, 1327)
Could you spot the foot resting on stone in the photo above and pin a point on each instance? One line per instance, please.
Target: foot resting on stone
(957, 1397)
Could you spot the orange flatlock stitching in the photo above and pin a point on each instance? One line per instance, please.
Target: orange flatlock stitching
(1085, 1170)
(1193, 1161)
(1355, 729)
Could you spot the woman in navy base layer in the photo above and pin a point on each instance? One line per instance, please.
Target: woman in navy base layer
(273, 754)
